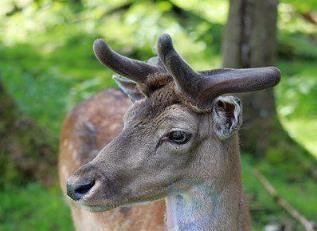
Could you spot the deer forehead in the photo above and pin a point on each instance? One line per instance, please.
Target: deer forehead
(179, 117)
(173, 117)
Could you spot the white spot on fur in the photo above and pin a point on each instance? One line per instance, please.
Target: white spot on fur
(70, 147)
(113, 126)
(65, 171)
(74, 154)
(65, 143)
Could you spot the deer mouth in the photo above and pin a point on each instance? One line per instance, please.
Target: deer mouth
(90, 203)
(94, 200)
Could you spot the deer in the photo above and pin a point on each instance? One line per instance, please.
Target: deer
(163, 152)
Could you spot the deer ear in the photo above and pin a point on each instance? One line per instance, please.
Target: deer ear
(129, 87)
(227, 116)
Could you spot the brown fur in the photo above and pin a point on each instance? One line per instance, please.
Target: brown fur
(155, 82)
(89, 127)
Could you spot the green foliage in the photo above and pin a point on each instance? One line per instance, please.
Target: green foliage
(33, 208)
(307, 5)
(9, 171)
(297, 101)
(299, 193)
(40, 81)
(299, 88)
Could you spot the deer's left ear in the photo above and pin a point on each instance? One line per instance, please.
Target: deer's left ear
(129, 87)
(227, 116)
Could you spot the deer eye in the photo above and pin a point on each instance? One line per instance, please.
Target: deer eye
(179, 137)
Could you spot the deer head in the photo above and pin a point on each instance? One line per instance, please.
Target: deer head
(179, 132)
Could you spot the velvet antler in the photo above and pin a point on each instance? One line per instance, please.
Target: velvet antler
(130, 68)
(203, 87)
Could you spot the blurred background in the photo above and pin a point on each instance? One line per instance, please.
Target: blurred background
(47, 66)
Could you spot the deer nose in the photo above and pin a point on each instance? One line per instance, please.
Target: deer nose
(77, 189)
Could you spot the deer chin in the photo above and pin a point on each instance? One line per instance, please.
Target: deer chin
(97, 208)
(91, 204)
(102, 207)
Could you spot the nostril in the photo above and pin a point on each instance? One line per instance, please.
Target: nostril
(84, 188)
(76, 191)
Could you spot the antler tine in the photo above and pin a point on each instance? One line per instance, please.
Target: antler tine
(185, 77)
(238, 80)
(203, 87)
(130, 68)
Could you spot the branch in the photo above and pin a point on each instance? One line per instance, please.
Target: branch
(180, 13)
(310, 17)
(283, 203)
(123, 7)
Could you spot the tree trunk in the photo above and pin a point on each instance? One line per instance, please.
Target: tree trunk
(250, 41)
(27, 152)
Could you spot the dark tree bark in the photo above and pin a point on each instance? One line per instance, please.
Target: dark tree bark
(27, 152)
(250, 41)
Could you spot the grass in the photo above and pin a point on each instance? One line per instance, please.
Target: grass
(33, 207)
(263, 208)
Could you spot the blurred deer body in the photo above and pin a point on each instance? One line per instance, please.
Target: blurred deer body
(87, 129)
(178, 141)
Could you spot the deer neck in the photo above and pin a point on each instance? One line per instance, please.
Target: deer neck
(210, 205)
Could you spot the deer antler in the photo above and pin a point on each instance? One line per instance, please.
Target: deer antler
(203, 87)
(130, 68)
